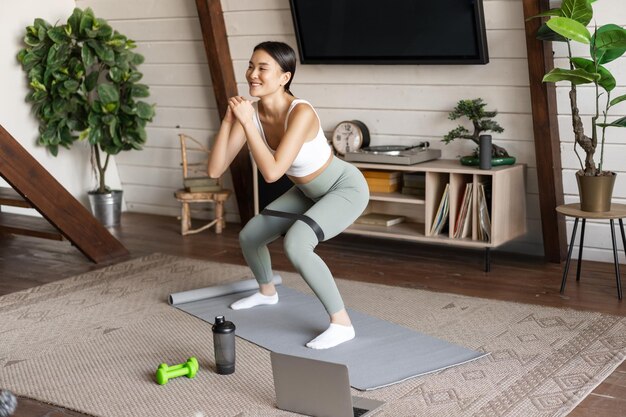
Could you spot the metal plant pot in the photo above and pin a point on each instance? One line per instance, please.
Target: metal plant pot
(596, 192)
(107, 208)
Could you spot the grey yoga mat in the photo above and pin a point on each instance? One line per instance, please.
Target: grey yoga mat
(382, 353)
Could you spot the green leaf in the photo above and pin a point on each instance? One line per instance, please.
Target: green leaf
(30, 60)
(74, 20)
(547, 13)
(134, 77)
(116, 74)
(71, 85)
(110, 107)
(86, 22)
(546, 34)
(569, 28)
(611, 39)
(137, 59)
(36, 85)
(129, 110)
(94, 135)
(617, 100)
(108, 93)
(113, 131)
(144, 110)
(91, 80)
(103, 52)
(117, 41)
(616, 123)
(577, 76)
(606, 81)
(139, 90)
(104, 30)
(87, 55)
(31, 40)
(58, 35)
(606, 55)
(578, 10)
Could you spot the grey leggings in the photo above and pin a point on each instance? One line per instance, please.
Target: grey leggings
(332, 201)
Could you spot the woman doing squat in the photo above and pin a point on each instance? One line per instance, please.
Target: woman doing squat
(285, 136)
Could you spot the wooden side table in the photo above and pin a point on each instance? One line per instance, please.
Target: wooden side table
(618, 211)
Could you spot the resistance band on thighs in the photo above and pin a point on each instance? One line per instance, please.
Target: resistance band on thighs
(295, 216)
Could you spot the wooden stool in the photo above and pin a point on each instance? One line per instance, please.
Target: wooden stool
(618, 211)
(217, 195)
(186, 198)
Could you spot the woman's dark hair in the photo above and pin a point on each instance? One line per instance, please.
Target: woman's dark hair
(284, 55)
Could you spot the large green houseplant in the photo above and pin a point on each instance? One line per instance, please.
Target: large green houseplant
(85, 85)
(568, 24)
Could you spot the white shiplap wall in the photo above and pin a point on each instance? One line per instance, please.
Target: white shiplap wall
(597, 233)
(168, 34)
(403, 104)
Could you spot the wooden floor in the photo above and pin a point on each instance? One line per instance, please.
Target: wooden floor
(27, 262)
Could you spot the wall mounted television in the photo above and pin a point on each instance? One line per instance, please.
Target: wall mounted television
(390, 32)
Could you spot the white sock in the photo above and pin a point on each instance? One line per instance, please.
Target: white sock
(336, 334)
(255, 299)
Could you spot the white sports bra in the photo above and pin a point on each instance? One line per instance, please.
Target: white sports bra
(313, 154)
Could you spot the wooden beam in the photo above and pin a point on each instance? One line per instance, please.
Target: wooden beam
(55, 203)
(546, 132)
(225, 86)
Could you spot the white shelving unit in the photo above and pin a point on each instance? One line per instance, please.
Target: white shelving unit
(507, 208)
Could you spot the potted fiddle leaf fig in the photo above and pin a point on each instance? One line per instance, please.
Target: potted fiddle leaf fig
(568, 24)
(482, 121)
(84, 86)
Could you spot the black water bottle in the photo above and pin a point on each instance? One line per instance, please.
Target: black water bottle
(224, 345)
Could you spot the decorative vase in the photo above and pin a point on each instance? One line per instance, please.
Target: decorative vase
(107, 208)
(484, 151)
(595, 192)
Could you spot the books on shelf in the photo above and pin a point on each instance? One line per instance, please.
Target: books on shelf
(382, 181)
(372, 173)
(414, 184)
(380, 219)
(414, 179)
(419, 192)
(463, 224)
(484, 221)
(383, 185)
(441, 217)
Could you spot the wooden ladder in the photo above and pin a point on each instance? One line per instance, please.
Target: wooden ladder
(63, 215)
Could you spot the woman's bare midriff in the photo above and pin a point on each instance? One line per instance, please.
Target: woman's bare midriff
(311, 176)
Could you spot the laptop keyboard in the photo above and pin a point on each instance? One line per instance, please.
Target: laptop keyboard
(359, 411)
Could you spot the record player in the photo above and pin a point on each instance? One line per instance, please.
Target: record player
(394, 154)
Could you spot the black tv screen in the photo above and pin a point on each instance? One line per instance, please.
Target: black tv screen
(390, 32)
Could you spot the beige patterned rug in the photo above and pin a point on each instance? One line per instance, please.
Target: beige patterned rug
(92, 343)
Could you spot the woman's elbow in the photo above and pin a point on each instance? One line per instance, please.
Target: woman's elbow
(215, 173)
(271, 177)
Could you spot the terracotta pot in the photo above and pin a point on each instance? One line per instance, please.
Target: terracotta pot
(596, 192)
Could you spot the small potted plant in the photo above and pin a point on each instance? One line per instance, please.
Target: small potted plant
(607, 43)
(482, 121)
(85, 86)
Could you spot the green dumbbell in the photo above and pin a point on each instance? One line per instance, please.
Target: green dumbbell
(189, 369)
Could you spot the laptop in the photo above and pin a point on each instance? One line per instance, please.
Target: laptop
(316, 388)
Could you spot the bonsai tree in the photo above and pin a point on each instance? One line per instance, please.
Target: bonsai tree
(84, 86)
(566, 24)
(475, 111)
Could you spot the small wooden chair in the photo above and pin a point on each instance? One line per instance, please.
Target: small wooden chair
(199, 170)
